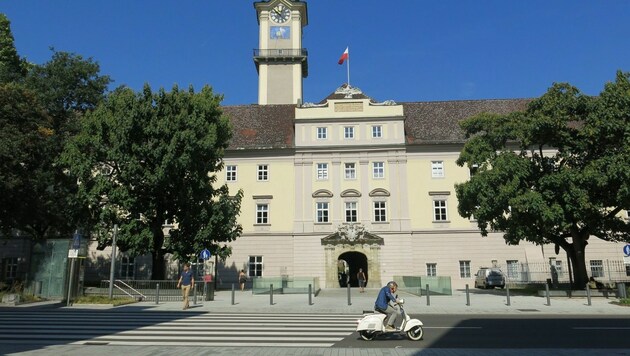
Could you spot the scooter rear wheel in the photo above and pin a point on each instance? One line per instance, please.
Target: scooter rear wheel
(415, 333)
(367, 335)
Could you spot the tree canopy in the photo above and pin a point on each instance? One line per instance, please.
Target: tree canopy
(557, 173)
(142, 159)
(40, 106)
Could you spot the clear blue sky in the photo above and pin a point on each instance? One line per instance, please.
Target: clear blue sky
(407, 50)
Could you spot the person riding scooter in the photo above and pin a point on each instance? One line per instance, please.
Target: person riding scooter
(387, 303)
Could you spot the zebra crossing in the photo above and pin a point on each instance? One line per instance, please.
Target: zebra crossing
(175, 328)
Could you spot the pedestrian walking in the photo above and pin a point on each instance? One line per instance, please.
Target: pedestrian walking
(361, 278)
(186, 282)
(242, 278)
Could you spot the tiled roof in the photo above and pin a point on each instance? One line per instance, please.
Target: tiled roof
(272, 126)
(438, 121)
(261, 126)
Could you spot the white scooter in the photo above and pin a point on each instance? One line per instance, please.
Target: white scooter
(374, 324)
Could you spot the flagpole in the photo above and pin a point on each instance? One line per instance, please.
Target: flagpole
(348, 67)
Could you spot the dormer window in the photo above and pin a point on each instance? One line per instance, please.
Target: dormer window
(348, 132)
(377, 131)
(322, 133)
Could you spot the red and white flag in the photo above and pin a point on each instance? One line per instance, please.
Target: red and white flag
(344, 56)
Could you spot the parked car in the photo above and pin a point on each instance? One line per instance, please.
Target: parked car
(487, 277)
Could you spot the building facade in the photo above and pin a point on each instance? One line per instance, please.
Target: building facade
(354, 182)
(346, 183)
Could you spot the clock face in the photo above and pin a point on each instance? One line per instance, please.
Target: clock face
(280, 13)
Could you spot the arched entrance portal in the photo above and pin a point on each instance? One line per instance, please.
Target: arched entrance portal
(349, 249)
(354, 261)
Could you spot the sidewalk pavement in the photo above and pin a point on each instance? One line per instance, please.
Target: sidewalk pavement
(335, 301)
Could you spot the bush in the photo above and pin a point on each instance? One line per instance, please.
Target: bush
(98, 299)
(17, 287)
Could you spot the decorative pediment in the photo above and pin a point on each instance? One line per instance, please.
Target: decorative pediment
(352, 234)
(379, 192)
(350, 193)
(322, 193)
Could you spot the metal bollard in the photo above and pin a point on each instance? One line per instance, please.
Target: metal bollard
(157, 293)
(194, 294)
(349, 299)
(467, 296)
(271, 294)
(507, 291)
(428, 296)
(547, 294)
(621, 290)
(310, 294)
(233, 292)
(588, 294)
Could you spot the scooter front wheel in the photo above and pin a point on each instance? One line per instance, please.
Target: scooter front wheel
(415, 333)
(367, 335)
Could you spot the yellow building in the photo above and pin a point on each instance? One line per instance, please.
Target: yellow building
(354, 181)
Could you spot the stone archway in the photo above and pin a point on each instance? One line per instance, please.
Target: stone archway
(355, 260)
(360, 247)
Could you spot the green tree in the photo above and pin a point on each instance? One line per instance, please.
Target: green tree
(145, 158)
(557, 173)
(25, 127)
(12, 67)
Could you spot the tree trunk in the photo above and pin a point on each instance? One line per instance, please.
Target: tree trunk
(158, 268)
(578, 262)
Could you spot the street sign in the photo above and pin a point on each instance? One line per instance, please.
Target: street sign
(626, 250)
(73, 253)
(76, 241)
(205, 254)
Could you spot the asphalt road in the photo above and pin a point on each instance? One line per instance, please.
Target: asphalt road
(142, 333)
(509, 332)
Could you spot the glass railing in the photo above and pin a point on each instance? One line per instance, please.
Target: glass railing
(285, 285)
(417, 285)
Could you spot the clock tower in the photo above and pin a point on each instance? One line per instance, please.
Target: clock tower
(280, 60)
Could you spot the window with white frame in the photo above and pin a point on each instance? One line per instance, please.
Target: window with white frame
(127, 267)
(348, 132)
(473, 170)
(597, 268)
(322, 212)
(437, 169)
(431, 269)
(262, 213)
(322, 133)
(380, 211)
(350, 171)
(255, 268)
(557, 265)
(464, 269)
(378, 169)
(377, 131)
(439, 210)
(10, 267)
(263, 172)
(322, 171)
(512, 268)
(351, 211)
(230, 173)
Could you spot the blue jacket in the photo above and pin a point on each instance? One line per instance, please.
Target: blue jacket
(384, 296)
